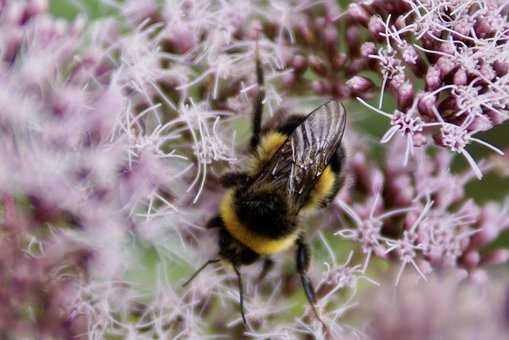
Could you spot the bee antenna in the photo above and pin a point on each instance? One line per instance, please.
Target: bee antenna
(241, 294)
(258, 106)
(259, 67)
(199, 271)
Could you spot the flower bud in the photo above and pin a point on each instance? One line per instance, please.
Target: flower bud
(359, 85)
(338, 61)
(487, 234)
(460, 77)
(356, 65)
(319, 24)
(341, 90)
(357, 13)
(353, 40)
(480, 124)
(14, 13)
(36, 7)
(397, 81)
(299, 63)
(426, 104)
(405, 95)
(321, 87)
(445, 65)
(498, 256)
(289, 79)
(471, 259)
(496, 117)
(11, 45)
(330, 37)
(484, 27)
(410, 55)
(181, 39)
(433, 79)
(376, 27)
(447, 47)
(367, 49)
(317, 65)
(501, 67)
(401, 189)
(304, 31)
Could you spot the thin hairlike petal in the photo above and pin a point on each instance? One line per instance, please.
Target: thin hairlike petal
(473, 164)
(389, 134)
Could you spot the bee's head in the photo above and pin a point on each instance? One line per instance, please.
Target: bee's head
(264, 211)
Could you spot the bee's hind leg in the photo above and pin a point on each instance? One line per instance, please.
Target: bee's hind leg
(268, 264)
(302, 259)
(241, 293)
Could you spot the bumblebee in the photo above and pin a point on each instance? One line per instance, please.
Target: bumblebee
(293, 170)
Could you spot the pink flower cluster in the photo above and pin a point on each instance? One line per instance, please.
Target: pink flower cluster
(446, 64)
(419, 214)
(114, 132)
(440, 308)
(76, 167)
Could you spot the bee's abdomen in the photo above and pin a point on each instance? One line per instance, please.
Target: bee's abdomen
(235, 252)
(259, 238)
(265, 213)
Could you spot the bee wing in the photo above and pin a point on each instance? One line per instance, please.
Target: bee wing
(303, 157)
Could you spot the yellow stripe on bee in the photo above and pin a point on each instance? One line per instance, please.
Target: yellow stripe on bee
(259, 244)
(323, 188)
(268, 146)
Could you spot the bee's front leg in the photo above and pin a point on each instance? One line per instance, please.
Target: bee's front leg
(267, 266)
(215, 222)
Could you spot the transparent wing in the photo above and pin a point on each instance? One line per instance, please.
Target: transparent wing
(303, 157)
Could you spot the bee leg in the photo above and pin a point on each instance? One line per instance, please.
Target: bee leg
(258, 106)
(198, 271)
(233, 179)
(215, 222)
(302, 259)
(241, 294)
(267, 266)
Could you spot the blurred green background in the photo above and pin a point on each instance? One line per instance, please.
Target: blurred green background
(69, 9)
